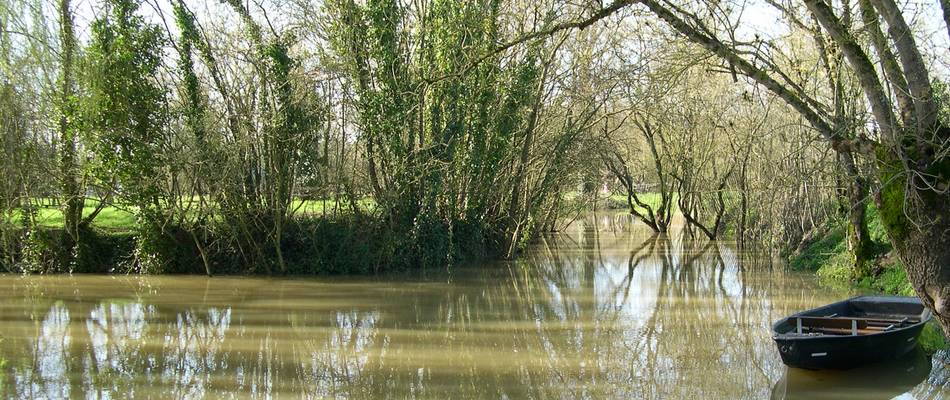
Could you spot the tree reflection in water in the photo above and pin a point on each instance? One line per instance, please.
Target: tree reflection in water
(604, 310)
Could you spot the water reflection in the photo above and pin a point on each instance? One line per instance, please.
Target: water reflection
(877, 381)
(603, 310)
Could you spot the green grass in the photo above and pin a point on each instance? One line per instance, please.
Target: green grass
(323, 207)
(932, 339)
(109, 218)
(51, 216)
(619, 201)
(828, 257)
(827, 250)
(831, 250)
(122, 218)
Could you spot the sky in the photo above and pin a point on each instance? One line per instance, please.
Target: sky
(758, 19)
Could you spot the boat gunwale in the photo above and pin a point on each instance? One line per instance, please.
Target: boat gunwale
(926, 316)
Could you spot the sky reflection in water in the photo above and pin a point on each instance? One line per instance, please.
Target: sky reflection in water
(604, 310)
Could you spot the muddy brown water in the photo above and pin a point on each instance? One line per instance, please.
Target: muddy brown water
(602, 310)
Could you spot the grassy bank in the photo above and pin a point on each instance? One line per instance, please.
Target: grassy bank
(828, 258)
(312, 243)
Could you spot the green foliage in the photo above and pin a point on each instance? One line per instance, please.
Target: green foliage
(932, 338)
(42, 250)
(830, 259)
(69, 127)
(831, 248)
(128, 116)
(442, 132)
(127, 108)
(347, 244)
(836, 271)
(892, 280)
(256, 203)
(194, 106)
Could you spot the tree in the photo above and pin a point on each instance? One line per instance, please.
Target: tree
(128, 117)
(450, 141)
(909, 146)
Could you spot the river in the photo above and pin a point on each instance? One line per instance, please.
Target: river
(603, 310)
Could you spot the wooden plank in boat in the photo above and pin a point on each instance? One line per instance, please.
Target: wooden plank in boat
(840, 331)
(868, 320)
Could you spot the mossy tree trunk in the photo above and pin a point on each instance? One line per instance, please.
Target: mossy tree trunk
(860, 247)
(918, 224)
(859, 241)
(69, 167)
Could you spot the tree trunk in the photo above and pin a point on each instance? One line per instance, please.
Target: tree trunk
(859, 239)
(72, 196)
(921, 243)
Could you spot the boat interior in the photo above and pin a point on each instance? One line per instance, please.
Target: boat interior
(860, 316)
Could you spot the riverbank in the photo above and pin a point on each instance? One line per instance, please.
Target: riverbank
(346, 244)
(828, 258)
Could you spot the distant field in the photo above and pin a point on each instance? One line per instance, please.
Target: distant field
(651, 199)
(121, 218)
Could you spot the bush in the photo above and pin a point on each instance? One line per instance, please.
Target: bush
(311, 246)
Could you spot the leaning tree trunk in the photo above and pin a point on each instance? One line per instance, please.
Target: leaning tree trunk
(926, 258)
(918, 224)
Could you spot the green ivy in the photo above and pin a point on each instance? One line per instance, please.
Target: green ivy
(128, 116)
(443, 124)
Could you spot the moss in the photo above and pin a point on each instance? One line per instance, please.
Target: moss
(876, 227)
(863, 251)
(891, 211)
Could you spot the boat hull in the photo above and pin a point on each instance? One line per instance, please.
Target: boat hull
(844, 352)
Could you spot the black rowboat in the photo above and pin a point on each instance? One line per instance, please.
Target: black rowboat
(850, 333)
